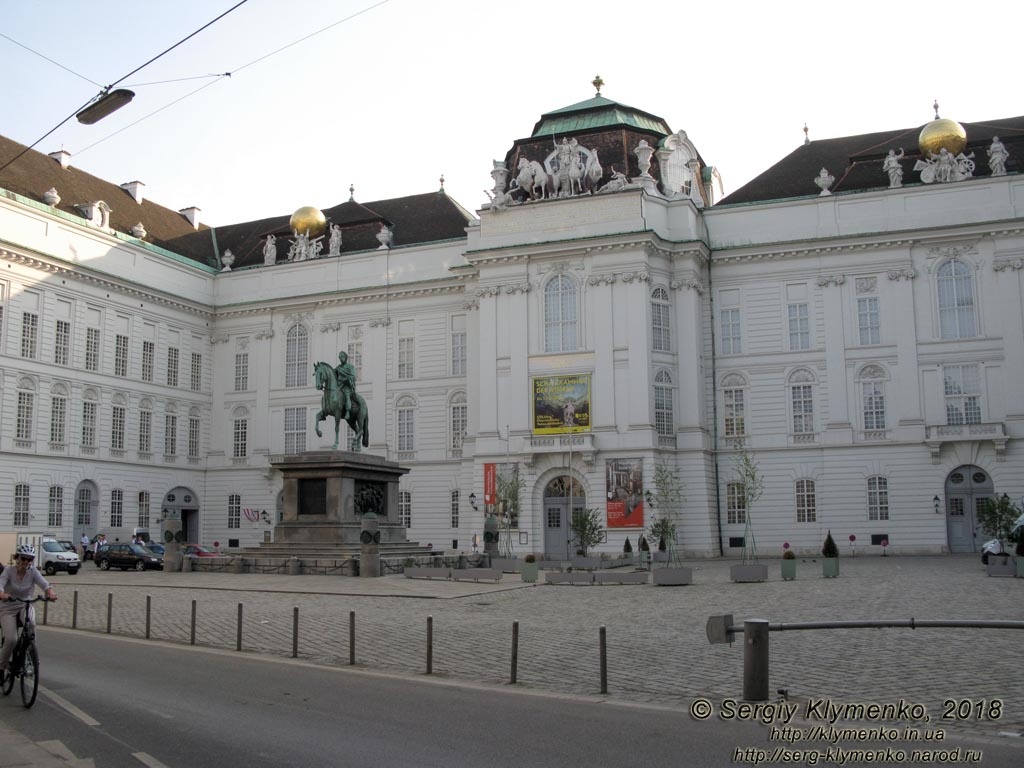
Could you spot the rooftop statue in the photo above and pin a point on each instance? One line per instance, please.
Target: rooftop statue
(340, 400)
(945, 167)
(891, 165)
(270, 251)
(334, 246)
(997, 157)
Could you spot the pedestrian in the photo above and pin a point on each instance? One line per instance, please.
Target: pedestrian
(84, 543)
(101, 541)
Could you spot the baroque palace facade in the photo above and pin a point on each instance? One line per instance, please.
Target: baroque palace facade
(851, 320)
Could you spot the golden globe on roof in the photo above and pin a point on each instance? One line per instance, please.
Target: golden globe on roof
(308, 220)
(942, 133)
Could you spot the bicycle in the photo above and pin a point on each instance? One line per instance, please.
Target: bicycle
(25, 659)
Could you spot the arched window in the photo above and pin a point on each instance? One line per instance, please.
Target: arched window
(21, 504)
(560, 314)
(956, 301)
(878, 498)
(664, 419)
(58, 414)
(145, 426)
(117, 422)
(661, 332)
(90, 406)
(872, 389)
(405, 411)
(296, 356)
(25, 420)
(457, 420)
(801, 398)
(806, 505)
(240, 433)
(734, 405)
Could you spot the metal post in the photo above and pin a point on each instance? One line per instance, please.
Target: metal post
(149, 614)
(295, 632)
(46, 608)
(238, 639)
(515, 652)
(755, 659)
(430, 644)
(110, 609)
(352, 638)
(604, 660)
(192, 633)
(74, 612)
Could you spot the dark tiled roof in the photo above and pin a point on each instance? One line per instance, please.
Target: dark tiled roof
(856, 161)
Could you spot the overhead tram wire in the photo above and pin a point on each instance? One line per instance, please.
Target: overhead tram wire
(107, 89)
(47, 58)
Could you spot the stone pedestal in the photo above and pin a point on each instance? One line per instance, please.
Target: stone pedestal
(491, 534)
(369, 546)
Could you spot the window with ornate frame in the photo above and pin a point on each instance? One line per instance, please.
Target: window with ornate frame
(560, 314)
(116, 508)
(661, 327)
(143, 509)
(405, 411)
(734, 408)
(731, 341)
(664, 418)
(296, 357)
(458, 421)
(799, 326)
(801, 399)
(955, 285)
(806, 506)
(55, 512)
(295, 429)
(454, 509)
(878, 498)
(962, 388)
(21, 505)
(29, 334)
(241, 371)
(240, 434)
(872, 390)
(59, 415)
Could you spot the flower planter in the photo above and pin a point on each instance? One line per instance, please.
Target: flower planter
(673, 576)
(1001, 565)
(528, 572)
(788, 570)
(748, 572)
(1020, 567)
(830, 567)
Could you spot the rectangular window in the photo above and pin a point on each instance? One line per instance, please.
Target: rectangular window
(241, 439)
(92, 349)
(89, 424)
(148, 353)
(117, 428)
(196, 379)
(806, 511)
(664, 423)
(26, 414)
(62, 343)
(799, 327)
(459, 423)
(29, 334)
(803, 408)
(735, 413)
(736, 504)
(296, 354)
(193, 437)
(878, 498)
(120, 355)
(294, 430)
(21, 504)
(455, 509)
(117, 508)
(731, 343)
(170, 435)
(355, 357)
(868, 326)
(172, 366)
(58, 419)
(143, 509)
(145, 431)
(241, 371)
(83, 507)
(874, 405)
(458, 340)
(962, 385)
(405, 508)
(406, 436)
(55, 514)
(406, 350)
(234, 511)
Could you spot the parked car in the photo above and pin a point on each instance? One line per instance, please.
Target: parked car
(53, 557)
(125, 556)
(68, 545)
(194, 550)
(155, 548)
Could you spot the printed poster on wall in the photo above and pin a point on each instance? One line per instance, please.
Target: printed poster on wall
(625, 482)
(490, 484)
(559, 400)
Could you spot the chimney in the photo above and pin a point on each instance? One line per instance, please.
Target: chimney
(63, 157)
(134, 188)
(192, 214)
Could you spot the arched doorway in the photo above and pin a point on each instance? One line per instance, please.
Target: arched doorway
(557, 529)
(182, 504)
(967, 489)
(87, 509)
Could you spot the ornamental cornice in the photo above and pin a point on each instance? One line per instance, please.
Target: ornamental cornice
(380, 294)
(328, 327)
(513, 288)
(471, 304)
(906, 273)
(938, 254)
(641, 276)
(381, 322)
(488, 291)
(606, 279)
(827, 250)
(692, 283)
(1003, 264)
(266, 333)
(109, 285)
(219, 338)
(836, 280)
(297, 318)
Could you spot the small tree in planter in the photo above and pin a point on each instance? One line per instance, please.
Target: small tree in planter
(997, 516)
(586, 526)
(751, 482)
(830, 557)
(645, 550)
(530, 568)
(665, 502)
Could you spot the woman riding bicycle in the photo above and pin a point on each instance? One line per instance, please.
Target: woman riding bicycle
(19, 581)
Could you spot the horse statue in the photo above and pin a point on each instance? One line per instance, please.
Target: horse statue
(333, 404)
(531, 177)
(594, 171)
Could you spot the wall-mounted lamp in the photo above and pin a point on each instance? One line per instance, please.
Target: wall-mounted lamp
(265, 517)
(472, 501)
(935, 503)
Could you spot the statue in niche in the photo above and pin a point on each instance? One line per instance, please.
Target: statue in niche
(334, 246)
(945, 167)
(341, 400)
(270, 251)
(891, 165)
(997, 157)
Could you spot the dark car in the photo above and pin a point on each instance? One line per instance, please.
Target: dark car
(125, 556)
(155, 548)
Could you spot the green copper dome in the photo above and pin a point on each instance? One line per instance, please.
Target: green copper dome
(595, 113)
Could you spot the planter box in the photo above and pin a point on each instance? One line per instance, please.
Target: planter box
(661, 557)
(506, 564)
(788, 570)
(414, 572)
(1001, 566)
(830, 567)
(588, 563)
(475, 574)
(576, 577)
(673, 576)
(528, 572)
(749, 572)
(626, 577)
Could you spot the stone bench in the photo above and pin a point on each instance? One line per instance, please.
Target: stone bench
(413, 572)
(507, 564)
(626, 577)
(475, 574)
(575, 577)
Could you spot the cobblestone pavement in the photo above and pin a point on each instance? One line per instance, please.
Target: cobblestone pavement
(657, 648)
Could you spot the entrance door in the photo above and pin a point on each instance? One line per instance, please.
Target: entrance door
(968, 488)
(558, 537)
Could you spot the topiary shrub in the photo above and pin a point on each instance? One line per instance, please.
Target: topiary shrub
(829, 548)
(627, 547)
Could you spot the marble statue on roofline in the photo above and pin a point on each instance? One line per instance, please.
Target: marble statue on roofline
(891, 165)
(334, 245)
(945, 167)
(270, 251)
(997, 157)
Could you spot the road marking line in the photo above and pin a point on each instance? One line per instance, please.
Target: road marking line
(68, 706)
(148, 760)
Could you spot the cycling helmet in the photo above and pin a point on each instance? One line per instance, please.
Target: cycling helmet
(26, 550)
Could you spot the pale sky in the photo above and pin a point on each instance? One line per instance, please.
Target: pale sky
(411, 89)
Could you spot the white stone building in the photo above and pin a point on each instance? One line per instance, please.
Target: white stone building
(857, 331)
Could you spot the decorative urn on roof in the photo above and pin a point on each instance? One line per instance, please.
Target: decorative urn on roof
(308, 220)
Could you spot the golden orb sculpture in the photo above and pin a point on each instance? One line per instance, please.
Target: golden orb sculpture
(308, 220)
(942, 133)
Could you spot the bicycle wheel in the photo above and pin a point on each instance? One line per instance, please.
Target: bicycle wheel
(30, 677)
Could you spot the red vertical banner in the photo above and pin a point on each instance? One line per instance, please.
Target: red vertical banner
(490, 484)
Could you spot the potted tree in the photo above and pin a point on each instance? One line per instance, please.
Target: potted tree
(529, 569)
(586, 526)
(830, 558)
(751, 482)
(664, 503)
(788, 563)
(998, 518)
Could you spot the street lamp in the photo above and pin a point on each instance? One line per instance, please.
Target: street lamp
(105, 104)
(472, 501)
(935, 503)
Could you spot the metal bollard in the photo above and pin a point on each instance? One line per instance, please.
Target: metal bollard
(755, 659)
(46, 608)
(604, 660)
(295, 632)
(352, 638)
(74, 611)
(110, 609)
(238, 640)
(192, 634)
(430, 645)
(149, 601)
(515, 652)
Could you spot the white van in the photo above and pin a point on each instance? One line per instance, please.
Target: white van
(52, 557)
